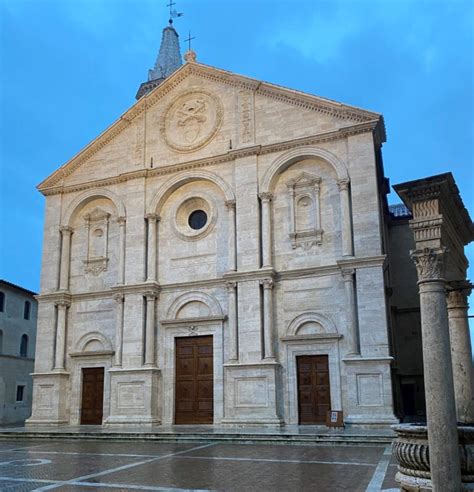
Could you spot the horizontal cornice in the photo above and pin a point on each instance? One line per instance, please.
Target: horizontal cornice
(230, 156)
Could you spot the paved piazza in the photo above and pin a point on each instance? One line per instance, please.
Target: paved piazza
(117, 466)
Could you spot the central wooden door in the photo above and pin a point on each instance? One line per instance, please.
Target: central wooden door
(314, 398)
(92, 395)
(194, 392)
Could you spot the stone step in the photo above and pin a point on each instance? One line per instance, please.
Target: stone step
(224, 437)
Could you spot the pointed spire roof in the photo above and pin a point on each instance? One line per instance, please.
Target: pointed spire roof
(167, 61)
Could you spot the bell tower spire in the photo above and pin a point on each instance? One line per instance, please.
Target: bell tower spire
(168, 59)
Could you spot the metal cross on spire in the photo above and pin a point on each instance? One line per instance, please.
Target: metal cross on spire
(173, 12)
(189, 41)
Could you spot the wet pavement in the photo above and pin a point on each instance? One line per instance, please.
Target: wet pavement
(117, 466)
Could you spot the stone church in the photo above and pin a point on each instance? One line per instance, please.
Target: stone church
(218, 255)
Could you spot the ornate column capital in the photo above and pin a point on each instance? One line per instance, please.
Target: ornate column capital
(348, 274)
(267, 283)
(121, 220)
(230, 204)
(150, 295)
(152, 217)
(66, 230)
(63, 304)
(265, 197)
(429, 263)
(231, 286)
(457, 295)
(119, 297)
(343, 184)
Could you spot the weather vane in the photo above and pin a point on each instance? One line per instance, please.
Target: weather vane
(173, 12)
(189, 41)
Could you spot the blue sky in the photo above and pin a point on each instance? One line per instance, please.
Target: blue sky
(71, 67)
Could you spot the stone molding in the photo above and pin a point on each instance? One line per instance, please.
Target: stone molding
(327, 324)
(193, 321)
(430, 264)
(317, 337)
(56, 187)
(179, 302)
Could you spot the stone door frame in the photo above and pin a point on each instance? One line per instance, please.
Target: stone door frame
(191, 328)
(329, 345)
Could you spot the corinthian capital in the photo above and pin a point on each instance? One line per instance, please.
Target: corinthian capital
(265, 197)
(429, 263)
(343, 184)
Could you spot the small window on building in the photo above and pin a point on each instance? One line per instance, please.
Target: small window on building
(20, 392)
(2, 302)
(26, 310)
(24, 346)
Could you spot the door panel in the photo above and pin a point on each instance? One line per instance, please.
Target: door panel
(314, 398)
(194, 392)
(92, 396)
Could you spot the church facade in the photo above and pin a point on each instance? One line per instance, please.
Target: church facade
(217, 256)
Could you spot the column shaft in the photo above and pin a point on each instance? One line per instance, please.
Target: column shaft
(152, 247)
(233, 329)
(121, 272)
(266, 231)
(60, 336)
(66, 233)
(150, 331)
(346, 220)
(461, 356)
(352, 335)
(119, 330)
(232, 236)
(269, 352)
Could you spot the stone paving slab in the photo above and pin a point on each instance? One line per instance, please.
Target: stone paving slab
(119, 466)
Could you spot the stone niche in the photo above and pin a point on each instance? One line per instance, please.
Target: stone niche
(97, 231)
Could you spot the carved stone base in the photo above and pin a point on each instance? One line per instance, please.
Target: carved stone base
(412, 453)
(50, 401)
(134, 397)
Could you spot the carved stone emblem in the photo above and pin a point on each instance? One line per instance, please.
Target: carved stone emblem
(192, 120)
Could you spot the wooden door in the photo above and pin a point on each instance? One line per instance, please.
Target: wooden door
(194, 391)
(314, 399)
(92, 396)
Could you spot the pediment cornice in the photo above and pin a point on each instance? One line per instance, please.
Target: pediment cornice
(275, 92)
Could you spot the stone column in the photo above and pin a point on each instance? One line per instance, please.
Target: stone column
(66, 233)
(440, 404)
(346, 220)
(266, 230)
(150, 359)
(461, 353)
(121, 270)
(269, 352)
(119, 330)
(153, 220)
(230, 204)
(351, 334)
(233, 330)
(62, 307)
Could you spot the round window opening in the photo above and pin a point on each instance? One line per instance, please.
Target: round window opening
(197, 219)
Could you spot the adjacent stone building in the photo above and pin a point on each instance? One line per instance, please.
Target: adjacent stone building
(18, 312)
(218, 255)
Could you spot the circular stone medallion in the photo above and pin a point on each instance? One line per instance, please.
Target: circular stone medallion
(192, 120)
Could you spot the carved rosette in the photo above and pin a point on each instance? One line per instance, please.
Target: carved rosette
(412, 453)
(429, 263)
(192, 120)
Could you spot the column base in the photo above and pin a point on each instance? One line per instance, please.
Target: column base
(50, 399)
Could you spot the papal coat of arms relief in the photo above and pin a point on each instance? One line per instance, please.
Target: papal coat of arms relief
(192, 120)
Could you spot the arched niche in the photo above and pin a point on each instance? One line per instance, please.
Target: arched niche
(93, 342)
(186, 177)
(194, 305)
(311, 325)
(288, 158)
(83, 199)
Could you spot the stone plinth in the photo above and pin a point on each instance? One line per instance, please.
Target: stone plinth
(412, 452)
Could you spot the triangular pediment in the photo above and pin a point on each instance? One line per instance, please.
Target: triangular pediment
(302, 102)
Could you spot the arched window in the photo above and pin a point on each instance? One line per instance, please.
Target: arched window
(24, 346)
(1, 342)
(26, 310)
(2, 302)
